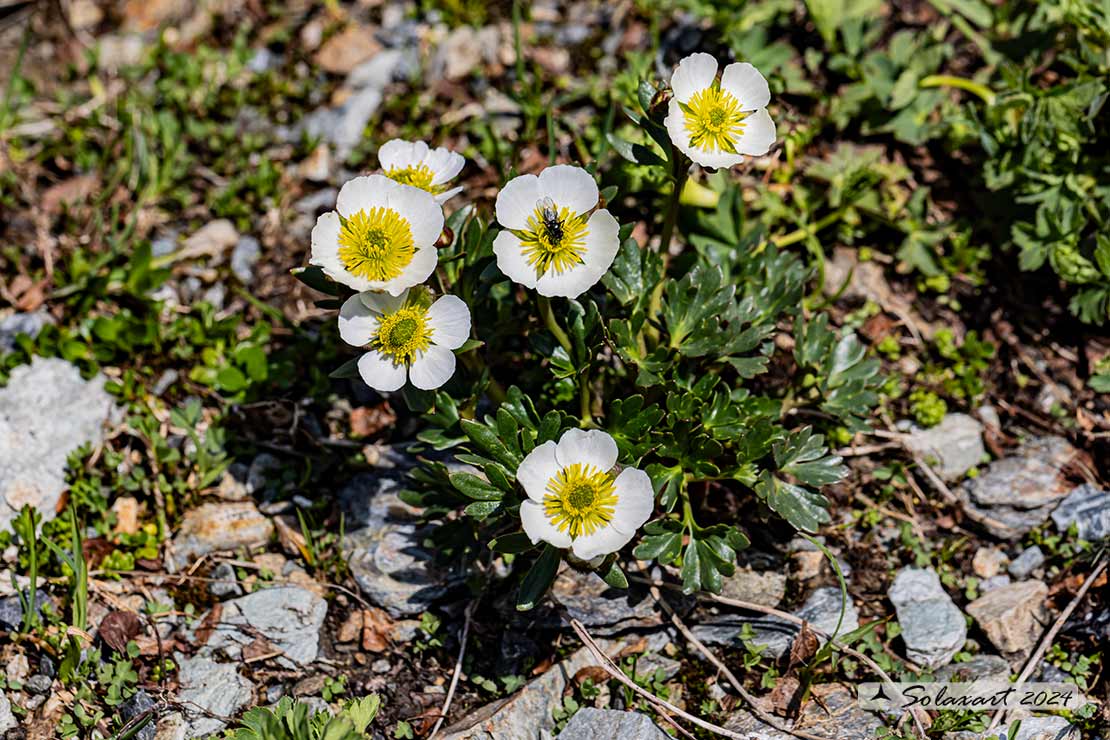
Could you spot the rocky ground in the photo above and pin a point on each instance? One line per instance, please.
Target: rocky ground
(243, 524)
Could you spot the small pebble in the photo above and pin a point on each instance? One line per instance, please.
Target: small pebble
(39, 684)
(381, 665)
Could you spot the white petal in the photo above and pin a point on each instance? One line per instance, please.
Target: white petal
(357, 323)
(400, 154)
(635, 500)
(676, 128)
(382, 303)
(602, 244)
(511, 261)
(593, 447)
(747, 85)
(380, 372)
(601, 542)
(420, 209)
(538, 527)
(364, 193)
(445, 164)
(759, 134)
(447, 195)
(517, 201)
(570, 187)
(449, 320)
(325, 252)
(422, 265)
(432, 368)
(536, 469)
(695, 72)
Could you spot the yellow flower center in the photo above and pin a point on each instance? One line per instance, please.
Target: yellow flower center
(402, 334)
(376, 244)
(555, 239)
(580, 500)
(419, 176)
(713, 119)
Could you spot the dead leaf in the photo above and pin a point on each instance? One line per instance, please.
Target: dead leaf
(351, 628)
(119, 628)
(595, 673)
(804, 647)
(786, 697)
(291, 538)
(376, 626)
(367, 421)
(95, 550)
(208, 625)
(257, 649)
(73, 190)
(347, 49)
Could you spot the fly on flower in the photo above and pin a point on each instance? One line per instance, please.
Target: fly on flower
(381, 236)
(553, 239)
(405, 338)
(414, 163)
(574, 499)
(716, 122)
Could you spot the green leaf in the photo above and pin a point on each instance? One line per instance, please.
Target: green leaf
(315, 278)
(803, 509)
(612, 574)
(474, 487)
(538, 579)
(348, 369)
(517, 542)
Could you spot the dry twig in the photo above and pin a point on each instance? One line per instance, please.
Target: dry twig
(457, 671)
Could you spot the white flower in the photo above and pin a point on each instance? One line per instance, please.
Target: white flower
(405, 338)
(716, 122)
(381, 235)
(550, 241)
(575, 501)
(413, 163)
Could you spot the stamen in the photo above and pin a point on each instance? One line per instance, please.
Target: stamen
(555, 239)
(714, 119)
(419, 176)
(580, 500)
(403, 334)
(376, 244)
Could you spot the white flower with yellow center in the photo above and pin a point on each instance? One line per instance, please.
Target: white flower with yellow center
(716, 122)
(575, 501)
(381, 235)
(404, 338)
(414, 163)
(551, 241)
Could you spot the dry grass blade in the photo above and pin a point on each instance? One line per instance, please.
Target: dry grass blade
(457, 671)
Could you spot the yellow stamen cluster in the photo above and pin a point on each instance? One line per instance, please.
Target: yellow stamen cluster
(580, 500)
(419, 176)
(376, 244)
(555, 240)
(714, 119)
(403, 333)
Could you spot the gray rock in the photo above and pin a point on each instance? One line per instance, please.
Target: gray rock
(46, 411)
(766, 588)
(836, 715)
(223, 526)
(933, 627)
(1019, 492)
(979, 668)
(1041, 728)
(1023, 566)
(225, 583)
(11, 609)
(288, 617)
(525, 715)
(208, 686)
(584, 596)
(321, 200)
(139, 703)
(954, 446)
(611, 724)
(649, 664)
(1012, 616)
(7, 719)
(383, 548)
(38, 684)
(1088, 508)
(998, 581)
(774, 635)
(988, 562)
(29, 323)
(244, 257)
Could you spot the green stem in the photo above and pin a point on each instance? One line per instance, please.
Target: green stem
(962, 83)
(494, 390)
(680, 171)
(548, 316)
(585, 405)
(807, 231)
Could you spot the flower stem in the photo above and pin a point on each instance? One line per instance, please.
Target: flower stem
(680, 171)
(548, 316)
(962, 83)
(806, 231)
(585, 404)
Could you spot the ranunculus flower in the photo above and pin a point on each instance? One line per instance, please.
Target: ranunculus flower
(716, 122)
(404, 338)
(553, 239)
(381, 235)
(574, 499)
(414, 163)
